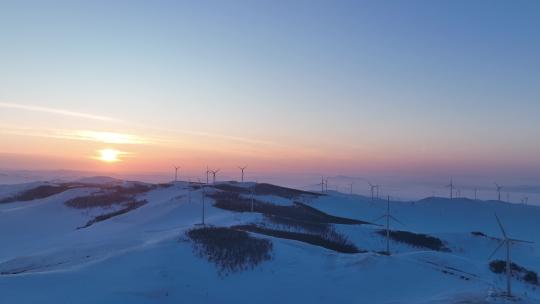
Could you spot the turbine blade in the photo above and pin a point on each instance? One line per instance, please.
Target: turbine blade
(521, 241)
(501, 226)
(496, 249)
(398, 221)
(380, 217)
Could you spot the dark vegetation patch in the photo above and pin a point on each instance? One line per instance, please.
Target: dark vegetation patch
(109, 193)
(268, 189)
(300, 212)
(28, 268)
(478, 233)
(331, 240)
(129, 206)
(231, 188)
(196, 186)
(416, 239)
(164, 185)
(464, 275)
(96, 200)
(37, 193)
(327, 218)
(265, 189)
(521, 273)
(108, 197)
(288, 223)
(456, 275)
(229, 249)
(481, 234)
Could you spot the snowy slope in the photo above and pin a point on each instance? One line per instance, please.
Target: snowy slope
(144, 256)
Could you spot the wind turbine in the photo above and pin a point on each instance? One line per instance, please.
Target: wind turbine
(451, 186)
(350, 185)
(388, 217)
(499, 188)
(189, 190)
(176, 173)
(207, 172)
(242, 169)
(525, 200)
(322, 184)
(214, 172)
(326, 184)
(203, 194)
(372, 188)
(378, 187)
(508, 242)
(475, 194)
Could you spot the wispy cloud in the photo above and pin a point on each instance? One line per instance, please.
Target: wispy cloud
(85, 135)
(104, 137)
(56, 111)
(110, 137)
(174, 133)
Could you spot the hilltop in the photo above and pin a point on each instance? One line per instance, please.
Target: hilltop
(104, 240)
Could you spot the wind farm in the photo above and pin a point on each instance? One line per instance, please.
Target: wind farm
(251, 151)
(181, 224)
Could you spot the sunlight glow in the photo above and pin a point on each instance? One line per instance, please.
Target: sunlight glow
(109, 155)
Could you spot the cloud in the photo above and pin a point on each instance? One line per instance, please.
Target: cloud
(104, 137)
(85, 135)
(56, 111)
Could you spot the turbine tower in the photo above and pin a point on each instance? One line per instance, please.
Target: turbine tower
(203, 205)
(203, 194)
(207, 172)
(189, 190)
(242, 169)
(451, 186)
(388, 217)
(253, 198)
(499, 188)
(176, 173)
(508, 242)
(350, 185)
(322, 184)
(326, 184)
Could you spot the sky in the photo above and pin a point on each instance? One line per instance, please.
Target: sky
(428, 89)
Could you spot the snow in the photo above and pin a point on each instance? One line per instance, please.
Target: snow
(143, 256)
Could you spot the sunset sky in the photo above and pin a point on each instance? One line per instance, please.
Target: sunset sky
(286, 87)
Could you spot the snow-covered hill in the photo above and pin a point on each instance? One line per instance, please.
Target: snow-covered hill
(103, 240)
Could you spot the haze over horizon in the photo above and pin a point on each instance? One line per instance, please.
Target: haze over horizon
(374, 89)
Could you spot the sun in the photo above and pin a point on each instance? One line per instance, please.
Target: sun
(109, 155)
